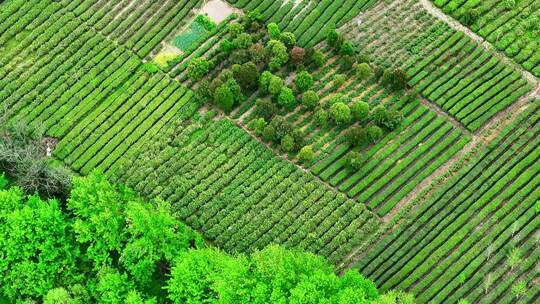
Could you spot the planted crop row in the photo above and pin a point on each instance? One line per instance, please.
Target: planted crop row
(446, 66)
(512, 27)
(139, 25)
(444, 251)
(241, 196)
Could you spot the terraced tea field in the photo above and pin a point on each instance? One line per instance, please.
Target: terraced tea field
(394, 138)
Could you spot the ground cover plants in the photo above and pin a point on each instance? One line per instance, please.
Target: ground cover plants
(513, 27)
(256, 151)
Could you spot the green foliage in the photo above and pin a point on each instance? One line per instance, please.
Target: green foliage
(363, 71)
(206, 22)
(357, 136)
(243, 41)
(273, 275)
(374, 133)
(276, 85)
(286, 98)
(320, 116)
(355, 160)
(150, 68)
(360, 110)
(288, 39)
(303, 81)
(3, 181)
(247, 75)
(273, 31)
(389, 119)
(197, 68)
(265, 109)
(394, 79)
(278, 54)
(318, 58)
(226, 46)
(310, 99)
(347, 49)
(36, 246)
(306, 154)
(287, 143)
(340, 113)
(235, 29)
(339, 80)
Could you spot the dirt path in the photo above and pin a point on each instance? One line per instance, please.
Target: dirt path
(456, 25)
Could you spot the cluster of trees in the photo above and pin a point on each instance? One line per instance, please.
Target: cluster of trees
(253, 57)
(105, 245)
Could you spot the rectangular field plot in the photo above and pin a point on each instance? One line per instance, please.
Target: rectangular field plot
(242, 197)
(447, 67)
(139, 25)
(476, 237)
(307, 19)
(513, 27)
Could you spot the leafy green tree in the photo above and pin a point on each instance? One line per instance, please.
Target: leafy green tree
(334, 39)
(310, 99)
(264, 82)
(258, 126)
(355, 160)
(320, 116)
(357, 136)
(58, 296)
(303, 81)
(99, 221)
(197, 68)
(276, 85)
(340, 113)
(287, 143)
(281, 126)
(273, 31)
(363, 71)
(288, 39)
(347, 49)
(247, 75)
(226, 46)
(37, 247)
(318, 58)
(339, 97)
(113, 286)
(360, 110)
(269, 133)
(265, 109)
(252, 20)
(346, 63)
(306, 154)
(389, 119)
(155, 237)
(243, 41)
(235, 29)
(278, 54)
(209, 276)
(339, 80)
(394, 79)
(374, 133)
(286, 98)
(224, 98)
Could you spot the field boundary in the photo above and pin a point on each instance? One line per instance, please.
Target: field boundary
(479, 140)
(456, 25)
